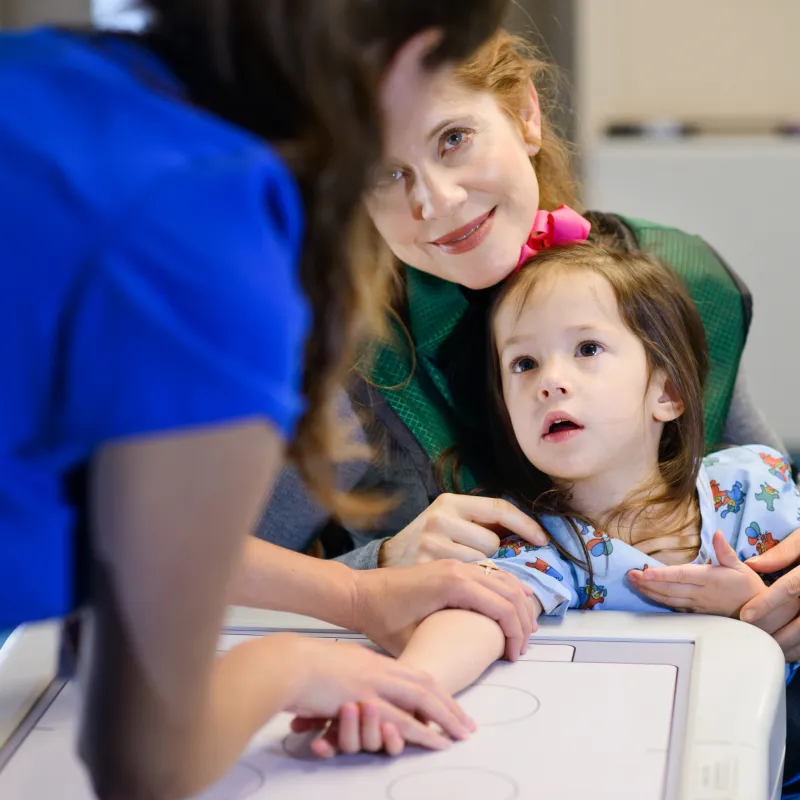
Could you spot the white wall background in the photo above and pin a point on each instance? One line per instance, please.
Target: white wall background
(713, 59)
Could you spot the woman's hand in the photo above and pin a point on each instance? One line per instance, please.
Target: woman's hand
(463, 527)
(388, 604)
(702, 588)
(336, 679)
(782, 597)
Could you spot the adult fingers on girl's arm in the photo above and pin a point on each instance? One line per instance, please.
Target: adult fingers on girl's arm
(496, 511)
(501, 597)
(784, 554)
(451, 544)
(784, 590)
(507, 602)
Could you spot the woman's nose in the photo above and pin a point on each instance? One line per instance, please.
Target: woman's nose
(436, 194)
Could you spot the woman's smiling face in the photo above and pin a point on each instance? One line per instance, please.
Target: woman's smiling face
(457, 194)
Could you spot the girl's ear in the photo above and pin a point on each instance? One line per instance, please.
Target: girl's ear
(531, 119)
(665, 403)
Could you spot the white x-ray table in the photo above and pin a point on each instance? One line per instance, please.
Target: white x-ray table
(605, 705)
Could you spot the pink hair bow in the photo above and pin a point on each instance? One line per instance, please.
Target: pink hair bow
(552, 229)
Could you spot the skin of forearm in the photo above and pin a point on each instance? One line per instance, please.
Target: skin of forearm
(281, 580)
(455, 647)
(249, 685)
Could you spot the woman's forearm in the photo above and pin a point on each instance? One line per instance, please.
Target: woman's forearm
(281, 580)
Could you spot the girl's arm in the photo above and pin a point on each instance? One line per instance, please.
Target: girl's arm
(455, 647)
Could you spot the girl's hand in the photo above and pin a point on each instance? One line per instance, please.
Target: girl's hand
(702, 588)
(357, 728)
(463, 527)
(333, 675)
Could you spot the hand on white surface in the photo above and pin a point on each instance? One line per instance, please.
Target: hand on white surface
(334, 675)
(357, 728)
(390, 603)
(464, 527)
(702, 588)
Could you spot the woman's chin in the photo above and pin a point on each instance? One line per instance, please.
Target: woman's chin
(487, 275)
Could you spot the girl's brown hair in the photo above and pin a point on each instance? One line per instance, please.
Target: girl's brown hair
(304, 75)
(655, 305)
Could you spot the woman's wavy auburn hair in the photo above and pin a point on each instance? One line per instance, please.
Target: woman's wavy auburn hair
(305, 75)
(506, 65)
(656, 307)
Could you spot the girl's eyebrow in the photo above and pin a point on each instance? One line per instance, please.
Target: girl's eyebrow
(522, 337)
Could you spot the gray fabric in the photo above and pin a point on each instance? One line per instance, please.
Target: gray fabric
(745, 423)
(294, 520)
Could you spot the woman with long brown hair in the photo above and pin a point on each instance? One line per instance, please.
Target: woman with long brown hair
(186, 269)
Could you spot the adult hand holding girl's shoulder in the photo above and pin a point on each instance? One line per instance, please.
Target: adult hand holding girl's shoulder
(463, 527)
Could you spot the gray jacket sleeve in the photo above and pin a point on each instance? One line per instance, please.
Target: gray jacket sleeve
(292, 518)
(745, 423)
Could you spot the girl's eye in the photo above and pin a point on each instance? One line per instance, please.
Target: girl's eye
(523, 364)
(589, 349)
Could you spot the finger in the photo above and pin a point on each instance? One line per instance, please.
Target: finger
(442, 546)
(305, 724)
(418, 694)
(788, 637)
(726, 555)
(683, 591)
(449, 527)
(496, 597)
(424, 680)
(678, 603)
(371, 735)
(393, 742)
(783, 555)
(784, 590)
(496, 511)
(694, 574)
(322, 748)
(412, 730)
(349, 729)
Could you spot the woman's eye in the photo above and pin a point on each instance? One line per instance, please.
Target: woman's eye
(454, 139)
(388, 177)
(523, 364)
(588, 349)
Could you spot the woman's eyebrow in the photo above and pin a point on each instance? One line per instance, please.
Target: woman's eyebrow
(439, 127)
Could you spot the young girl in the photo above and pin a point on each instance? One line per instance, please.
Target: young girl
(597, 363)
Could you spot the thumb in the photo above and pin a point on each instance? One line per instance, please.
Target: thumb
(784, 554)
(726, 555)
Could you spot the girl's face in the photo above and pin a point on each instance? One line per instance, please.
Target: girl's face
(575, 382)
(457, 194)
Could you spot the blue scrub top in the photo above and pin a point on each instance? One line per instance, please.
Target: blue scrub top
(148, 282)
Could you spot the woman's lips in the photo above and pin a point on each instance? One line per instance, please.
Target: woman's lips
(467, 237)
